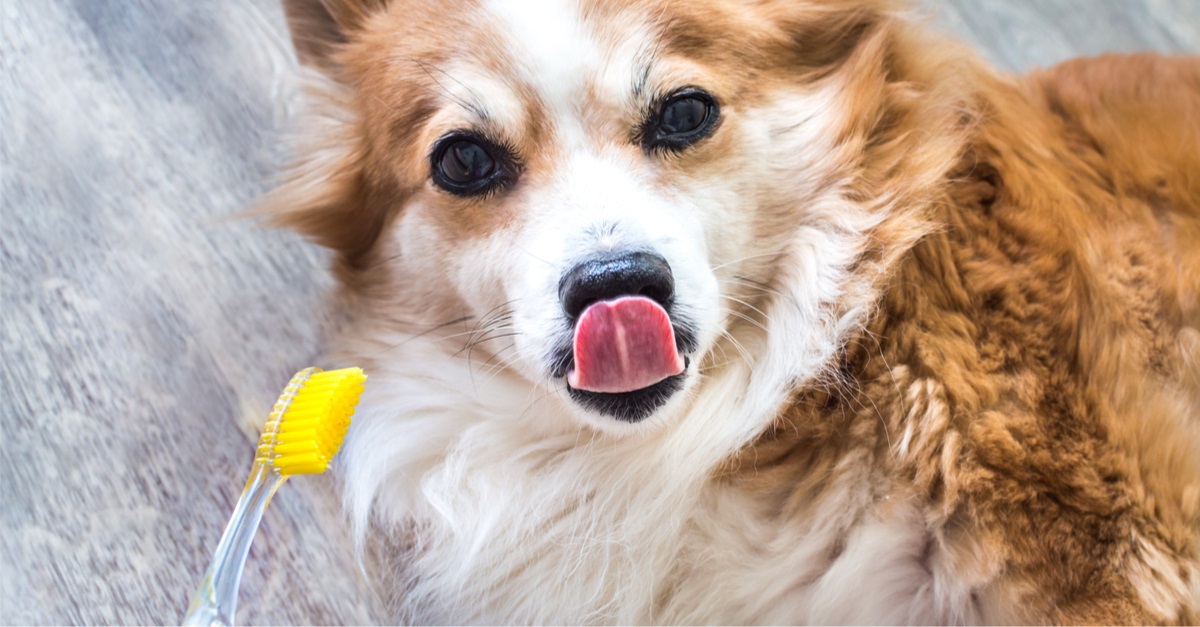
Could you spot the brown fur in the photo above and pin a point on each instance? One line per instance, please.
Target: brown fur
(1042, 350)
(1030, 375)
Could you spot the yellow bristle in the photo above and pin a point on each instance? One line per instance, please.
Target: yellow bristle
(309, 421)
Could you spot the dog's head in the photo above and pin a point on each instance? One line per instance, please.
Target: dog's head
(601, 191)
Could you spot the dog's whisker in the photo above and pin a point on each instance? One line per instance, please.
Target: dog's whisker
(486, 338)
(746, 258)
(740, 349)
(470, 107)
(522, 249)
(501, 361)
(503, 309)
(486, 325)
(423, 334)
(756, 310)
(546, 394)
(730, 313)
(758, 286)
(472, 332)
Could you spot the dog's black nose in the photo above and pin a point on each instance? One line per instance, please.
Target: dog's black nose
(626, 274)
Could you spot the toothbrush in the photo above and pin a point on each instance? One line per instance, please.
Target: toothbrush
(302, 434)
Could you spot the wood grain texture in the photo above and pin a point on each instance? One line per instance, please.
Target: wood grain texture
(145, 334)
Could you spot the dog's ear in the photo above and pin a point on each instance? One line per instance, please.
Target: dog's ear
(818, 37)
(319, 27)
(327, 194)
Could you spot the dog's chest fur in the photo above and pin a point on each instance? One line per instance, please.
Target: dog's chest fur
(512, 527)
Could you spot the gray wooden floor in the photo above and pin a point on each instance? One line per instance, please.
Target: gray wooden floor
(144, 335)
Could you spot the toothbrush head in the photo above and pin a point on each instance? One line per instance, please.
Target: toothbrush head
(309, 421)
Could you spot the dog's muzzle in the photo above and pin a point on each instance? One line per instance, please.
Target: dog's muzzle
(625, 360)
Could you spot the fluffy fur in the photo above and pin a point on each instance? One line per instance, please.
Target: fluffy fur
(947, 320)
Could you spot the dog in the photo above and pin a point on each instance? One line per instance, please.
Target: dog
(774, 311)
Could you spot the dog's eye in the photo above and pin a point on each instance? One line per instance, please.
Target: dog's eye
(466, 165)
(683, 115)
(682, 119)
(465, 162)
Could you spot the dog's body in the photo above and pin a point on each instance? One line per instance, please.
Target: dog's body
(935, 331)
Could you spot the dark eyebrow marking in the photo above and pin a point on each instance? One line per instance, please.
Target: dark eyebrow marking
(662, 24)
(642, 78)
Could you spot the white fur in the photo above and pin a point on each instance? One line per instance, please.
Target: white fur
(1158, 581)
(518, 506)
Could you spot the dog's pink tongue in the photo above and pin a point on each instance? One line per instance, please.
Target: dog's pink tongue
(624, 345)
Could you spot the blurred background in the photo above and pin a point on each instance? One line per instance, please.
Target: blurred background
(145, 333)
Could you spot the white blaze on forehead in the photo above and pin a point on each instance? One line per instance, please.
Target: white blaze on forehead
(550, 47)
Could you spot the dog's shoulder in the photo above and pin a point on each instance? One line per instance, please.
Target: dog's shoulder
(1061, 321)
(1114, 98)
(1140, 114)
(1030, 375)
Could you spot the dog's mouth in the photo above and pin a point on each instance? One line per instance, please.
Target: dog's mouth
(626, 357)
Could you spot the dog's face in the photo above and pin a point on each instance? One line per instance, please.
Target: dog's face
(599, 188)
